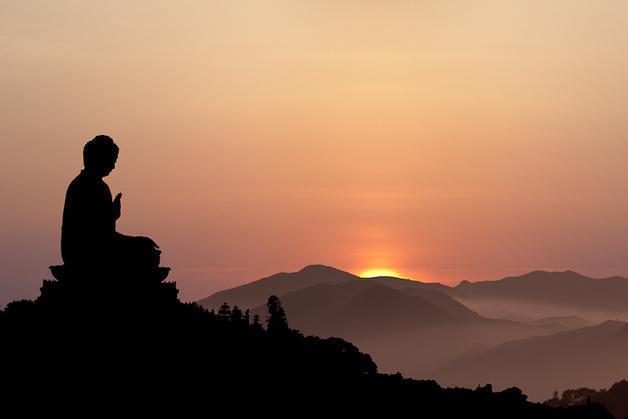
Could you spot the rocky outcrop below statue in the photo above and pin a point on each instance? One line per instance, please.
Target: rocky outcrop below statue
(73, 286)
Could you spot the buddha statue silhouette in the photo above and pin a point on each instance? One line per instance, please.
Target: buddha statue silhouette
(90, 243)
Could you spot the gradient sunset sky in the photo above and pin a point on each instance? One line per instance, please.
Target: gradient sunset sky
(445, 140)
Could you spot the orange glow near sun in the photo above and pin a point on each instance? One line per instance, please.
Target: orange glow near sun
(371, 273)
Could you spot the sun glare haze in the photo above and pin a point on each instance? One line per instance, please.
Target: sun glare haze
(372, 273)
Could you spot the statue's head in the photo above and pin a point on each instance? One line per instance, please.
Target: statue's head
(100, 155)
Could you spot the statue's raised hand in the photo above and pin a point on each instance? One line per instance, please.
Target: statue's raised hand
(117, 206)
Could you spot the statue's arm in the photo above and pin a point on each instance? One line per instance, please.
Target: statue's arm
(117, 207)
(119, 236)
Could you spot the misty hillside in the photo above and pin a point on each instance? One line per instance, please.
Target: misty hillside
(442, 301)
(588, 357)
(568, 322)
(408, 332)
(362, 307)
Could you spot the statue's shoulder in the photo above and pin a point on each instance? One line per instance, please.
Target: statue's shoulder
(77, 187)
(76, 182)
(83, 184)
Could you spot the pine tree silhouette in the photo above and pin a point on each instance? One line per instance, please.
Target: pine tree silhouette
(236, 315)
(276, 322)
(224, 313)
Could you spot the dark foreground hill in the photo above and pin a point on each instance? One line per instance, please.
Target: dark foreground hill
(109, 345)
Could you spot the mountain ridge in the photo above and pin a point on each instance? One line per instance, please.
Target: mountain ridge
(547, 294)
(561, 288)
(280, 283)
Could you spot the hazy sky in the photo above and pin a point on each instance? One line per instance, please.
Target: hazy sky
(445, 140)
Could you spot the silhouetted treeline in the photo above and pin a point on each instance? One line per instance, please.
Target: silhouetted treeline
(615, 398)
(111, 344)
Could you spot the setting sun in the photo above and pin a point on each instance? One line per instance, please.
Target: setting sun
(372, 273)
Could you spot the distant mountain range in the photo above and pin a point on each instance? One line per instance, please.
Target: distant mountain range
(525, 298)
(466, 335)
(547, 294)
